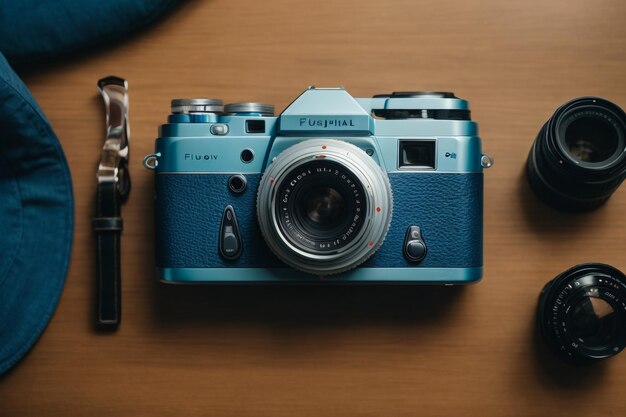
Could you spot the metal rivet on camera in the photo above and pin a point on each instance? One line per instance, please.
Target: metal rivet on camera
(151, 161)
(486, 160)
(370, 152)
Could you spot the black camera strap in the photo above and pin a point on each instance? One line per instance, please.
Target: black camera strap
(107, 225)
(113, 190)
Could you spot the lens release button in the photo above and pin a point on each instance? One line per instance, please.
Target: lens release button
(414, 245)
(230, 244)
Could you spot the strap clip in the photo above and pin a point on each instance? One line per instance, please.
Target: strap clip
(114, 159)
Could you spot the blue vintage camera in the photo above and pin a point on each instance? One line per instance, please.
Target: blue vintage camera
(386, 189)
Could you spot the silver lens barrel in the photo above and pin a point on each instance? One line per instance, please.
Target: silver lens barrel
(354, 163)
(197, 105)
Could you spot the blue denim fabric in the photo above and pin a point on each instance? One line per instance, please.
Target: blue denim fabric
(36, 219)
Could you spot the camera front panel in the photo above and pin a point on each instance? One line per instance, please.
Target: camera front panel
(189, 209)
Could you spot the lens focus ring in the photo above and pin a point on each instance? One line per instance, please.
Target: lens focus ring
(355, 213)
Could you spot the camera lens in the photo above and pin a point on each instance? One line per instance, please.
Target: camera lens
(324, 206)
(579, 157)
(321, 206)
(590, 140)
(323, 209)
(582, 313)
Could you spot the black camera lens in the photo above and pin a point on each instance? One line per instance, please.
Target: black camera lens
(321, 206)
(582, 313)
(579, 157)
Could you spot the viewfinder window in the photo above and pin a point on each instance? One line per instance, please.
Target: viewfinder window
(255, 126)
(417, 154)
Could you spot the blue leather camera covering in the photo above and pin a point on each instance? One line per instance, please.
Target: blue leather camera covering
(448, 208)
(188, 211)
(32, 30)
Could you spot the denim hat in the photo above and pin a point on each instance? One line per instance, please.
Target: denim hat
(39, 30)
(36, 219)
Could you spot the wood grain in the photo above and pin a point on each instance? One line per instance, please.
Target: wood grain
(336, 351)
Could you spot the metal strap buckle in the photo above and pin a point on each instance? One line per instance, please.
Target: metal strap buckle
(114, 159)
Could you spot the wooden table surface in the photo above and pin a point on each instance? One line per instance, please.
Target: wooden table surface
(335, 351)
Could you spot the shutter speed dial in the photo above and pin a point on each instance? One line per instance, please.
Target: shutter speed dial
(197, 105)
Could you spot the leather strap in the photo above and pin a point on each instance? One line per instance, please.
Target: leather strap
(107, 225)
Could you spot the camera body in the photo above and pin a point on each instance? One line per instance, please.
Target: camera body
(386, 189)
